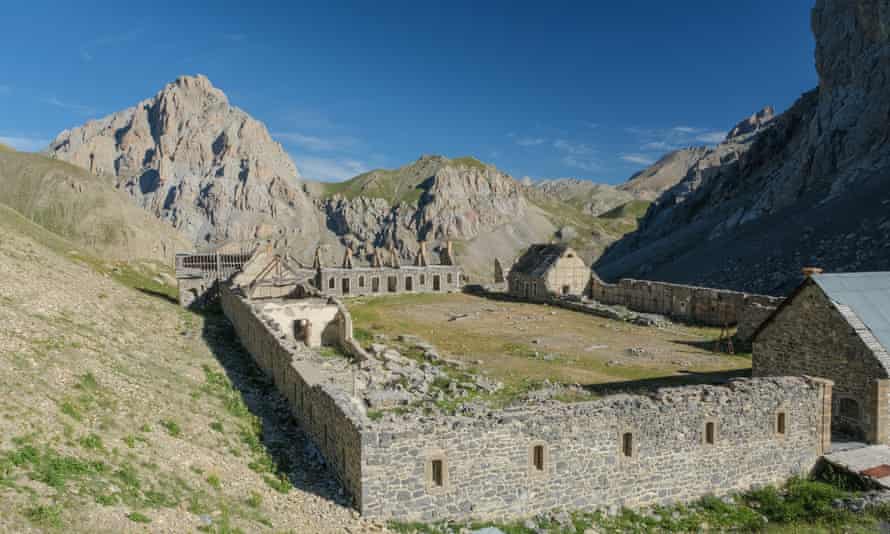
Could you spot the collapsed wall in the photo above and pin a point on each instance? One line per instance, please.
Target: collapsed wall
(704, 305)
(675, 445)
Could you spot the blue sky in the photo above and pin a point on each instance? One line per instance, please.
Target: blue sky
(593, 90)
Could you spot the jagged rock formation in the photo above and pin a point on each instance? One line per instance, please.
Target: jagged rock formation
(753, 123)
(436, 199)
(649, 183)
(189, 157)
(808, 187)
(213, 172)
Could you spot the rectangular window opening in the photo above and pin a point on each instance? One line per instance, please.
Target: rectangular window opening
(627, 444)
(780, 423)
(538, 457)
(438, 474)
(709, 433)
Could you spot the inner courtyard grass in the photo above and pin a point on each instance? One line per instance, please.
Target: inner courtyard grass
(517, 342)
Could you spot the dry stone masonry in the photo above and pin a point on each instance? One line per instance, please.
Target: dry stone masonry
(708, 306)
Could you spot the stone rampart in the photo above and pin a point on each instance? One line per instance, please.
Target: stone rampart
(703, 305)
(674, 445)
(624, 450)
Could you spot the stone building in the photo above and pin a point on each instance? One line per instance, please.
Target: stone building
(389, 277)
(544, 271)
(836, 326)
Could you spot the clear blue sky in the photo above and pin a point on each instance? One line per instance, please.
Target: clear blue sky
(548, 89)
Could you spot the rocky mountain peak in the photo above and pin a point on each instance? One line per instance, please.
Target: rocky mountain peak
(191, 158)
(757, 208)
(753, 123)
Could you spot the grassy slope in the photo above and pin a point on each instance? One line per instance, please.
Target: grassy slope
(396, 185)
(118, 407)
(84, 208)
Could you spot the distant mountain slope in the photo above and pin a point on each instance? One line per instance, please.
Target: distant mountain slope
(808, 187)
(663, 174)
(589, 197)
(211, 171)
(84, 208)
(190, 158)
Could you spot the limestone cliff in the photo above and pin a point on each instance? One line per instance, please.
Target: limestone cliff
(806, 187)
(189, 157)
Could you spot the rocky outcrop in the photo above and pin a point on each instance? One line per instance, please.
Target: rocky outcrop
(808, 187)
(189, 157)
(753, 123)
(592, 198)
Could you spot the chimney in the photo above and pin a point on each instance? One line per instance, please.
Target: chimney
(810, 271)
(347, 258)
(316, 262)
(420, 260)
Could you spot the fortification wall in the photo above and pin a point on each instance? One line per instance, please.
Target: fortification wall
(714, 307)
(327, 413)
(488, 463)
(623, 450)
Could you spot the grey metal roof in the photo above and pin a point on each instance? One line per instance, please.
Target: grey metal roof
(867, 294)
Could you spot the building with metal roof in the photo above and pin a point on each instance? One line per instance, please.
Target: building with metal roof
(836, 326)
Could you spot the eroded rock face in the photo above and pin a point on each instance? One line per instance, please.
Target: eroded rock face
(191, 158)
(808, 187)
(753, 123)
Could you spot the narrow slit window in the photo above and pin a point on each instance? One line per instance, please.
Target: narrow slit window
(332, 284)
(627, 444)
(438, 473)
(780, 423)
(710, 433)
(538, 457)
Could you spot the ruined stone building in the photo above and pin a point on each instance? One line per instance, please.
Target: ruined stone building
(545, 271)
(836, 326)
(388, 275)
(269, 273)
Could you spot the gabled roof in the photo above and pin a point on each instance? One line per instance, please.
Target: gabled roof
(866, 294)
(538, 259)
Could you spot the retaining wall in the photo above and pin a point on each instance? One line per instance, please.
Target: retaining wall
(708, 306)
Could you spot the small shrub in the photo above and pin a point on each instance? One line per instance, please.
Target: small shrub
(280, 483)
(216, 426)
(172, 427)
(254, 500)
(214, 482)
(71, 411)
(136, 517)
(91, 442)
(130, 440)
(49, 516)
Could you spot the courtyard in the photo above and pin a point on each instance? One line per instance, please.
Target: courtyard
(519, 342)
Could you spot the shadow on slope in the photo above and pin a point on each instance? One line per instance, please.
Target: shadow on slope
(290, 459)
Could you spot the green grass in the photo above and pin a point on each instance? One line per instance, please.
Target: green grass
(801, 506)
(45, 515)
(397, 185)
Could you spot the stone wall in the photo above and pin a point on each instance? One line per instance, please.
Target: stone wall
(340, 282)
(713, 307)
(812, 336)
(325, 411)
(488, 462)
